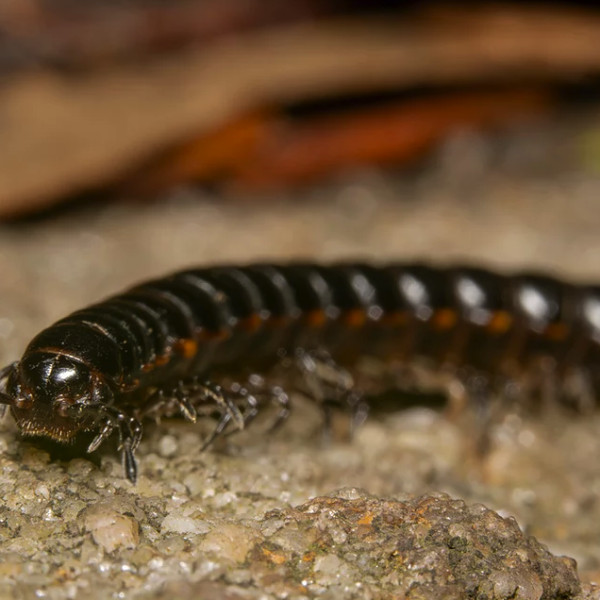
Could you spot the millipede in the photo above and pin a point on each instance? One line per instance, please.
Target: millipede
(165, 346)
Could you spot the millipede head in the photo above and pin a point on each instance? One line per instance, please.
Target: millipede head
(50, 395)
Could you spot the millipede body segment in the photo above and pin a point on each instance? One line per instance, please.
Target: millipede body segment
(161, 344)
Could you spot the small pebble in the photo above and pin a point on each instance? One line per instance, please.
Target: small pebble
(109, 528)
(167, 446)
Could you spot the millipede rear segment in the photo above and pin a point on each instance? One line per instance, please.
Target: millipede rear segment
(163, 345)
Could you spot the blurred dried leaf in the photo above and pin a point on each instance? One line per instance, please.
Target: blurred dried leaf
(397, 134)
(271, 150)
(65, 133)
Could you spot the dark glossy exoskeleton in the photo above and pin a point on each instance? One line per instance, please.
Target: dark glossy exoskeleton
(104, 368)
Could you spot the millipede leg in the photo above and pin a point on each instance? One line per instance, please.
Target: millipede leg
(128, 461)
(188, 398)
(130, 434)
(235, 404)
(247, 397)
(359, 408)
(330, 385)
(216, 432)
(479, 395)
(218, 397)
(184, 403)
(6, 371)
(322, 375)
(238, 391)
(578, 390)
(282, 399)
(259, 392)
(164, 402)
(5, 400)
